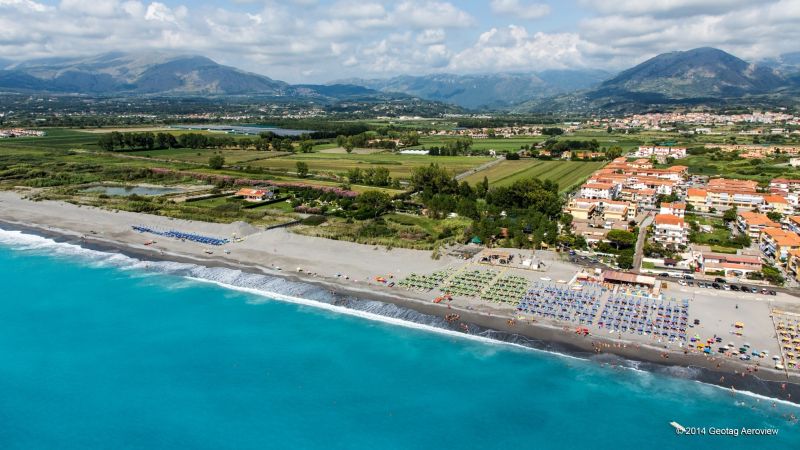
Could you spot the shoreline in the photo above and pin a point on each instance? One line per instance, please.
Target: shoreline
(540, 336)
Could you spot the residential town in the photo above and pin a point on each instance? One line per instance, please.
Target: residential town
(718, 227)
(20, 132)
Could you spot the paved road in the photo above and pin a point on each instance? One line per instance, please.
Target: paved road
(639, 252)
(480, 168)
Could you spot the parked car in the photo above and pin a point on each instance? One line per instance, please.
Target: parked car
(720, 280)
(664, 274)
(734, 287)
(690, 283)
(764, 291)
(700, 284)
(688, 277)
(771, 292)
(726, 287)
(715, 285)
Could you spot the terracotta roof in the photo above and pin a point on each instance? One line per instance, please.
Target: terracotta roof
(597, 186)
(668, 219)
(775, 199)
(252, 192)
(692, 192)
(675, 205)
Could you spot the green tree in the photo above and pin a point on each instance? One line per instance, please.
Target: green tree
(302, 169)
(625, 261)
(775, 216)
(729, 215)
(621, 238)
(348, 145)
(216, 162)
(372, 204)
(306, 146)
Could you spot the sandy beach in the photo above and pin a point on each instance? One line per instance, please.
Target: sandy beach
(350, 269)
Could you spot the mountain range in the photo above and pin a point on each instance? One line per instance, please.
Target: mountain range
(492, 91)
(155, 73)
(698, 76)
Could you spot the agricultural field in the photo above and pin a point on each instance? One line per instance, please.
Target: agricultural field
(200, 156)
(566, 173)
(497, 144)
(761, 170)
(400, 166)
(56, 139)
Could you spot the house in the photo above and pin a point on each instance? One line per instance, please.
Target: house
(776, 244)
(675, 209)
(671, 231)
(255, 195)
(731, 265)
(753, 223)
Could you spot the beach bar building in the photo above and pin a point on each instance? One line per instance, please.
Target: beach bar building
(629, 279)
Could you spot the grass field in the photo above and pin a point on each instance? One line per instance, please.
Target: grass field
(400, 166)
(566, 173)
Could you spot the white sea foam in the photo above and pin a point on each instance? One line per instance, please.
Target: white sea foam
(259, 285)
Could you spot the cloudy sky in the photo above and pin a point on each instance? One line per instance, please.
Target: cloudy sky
(322, 40)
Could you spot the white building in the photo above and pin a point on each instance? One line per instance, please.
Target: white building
(671, 231)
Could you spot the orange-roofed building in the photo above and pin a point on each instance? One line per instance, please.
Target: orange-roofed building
(777, 203)
(254, 195)
(752, 223)
(776, 244)
(698, 198)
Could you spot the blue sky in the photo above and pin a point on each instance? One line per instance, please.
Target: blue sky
(323, 40)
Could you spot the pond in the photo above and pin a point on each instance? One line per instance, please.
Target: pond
(126, 191)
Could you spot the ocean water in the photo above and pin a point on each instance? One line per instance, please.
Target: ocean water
(100, 351)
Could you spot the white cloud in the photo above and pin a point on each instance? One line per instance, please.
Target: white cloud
(431, 36)
(670, 8)
(159, 12)
(306, 38)
(513, 48)
(515, 8)
(23, 5)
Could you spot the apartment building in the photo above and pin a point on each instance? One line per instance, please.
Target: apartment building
(643, 198)
(776, 244)
(670, 231)
(582, 208)
(753, 223)
(607, 191)
(675, 209)
(777, 203)
(646, 152)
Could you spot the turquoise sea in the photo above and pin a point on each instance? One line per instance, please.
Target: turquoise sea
(101, 351)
